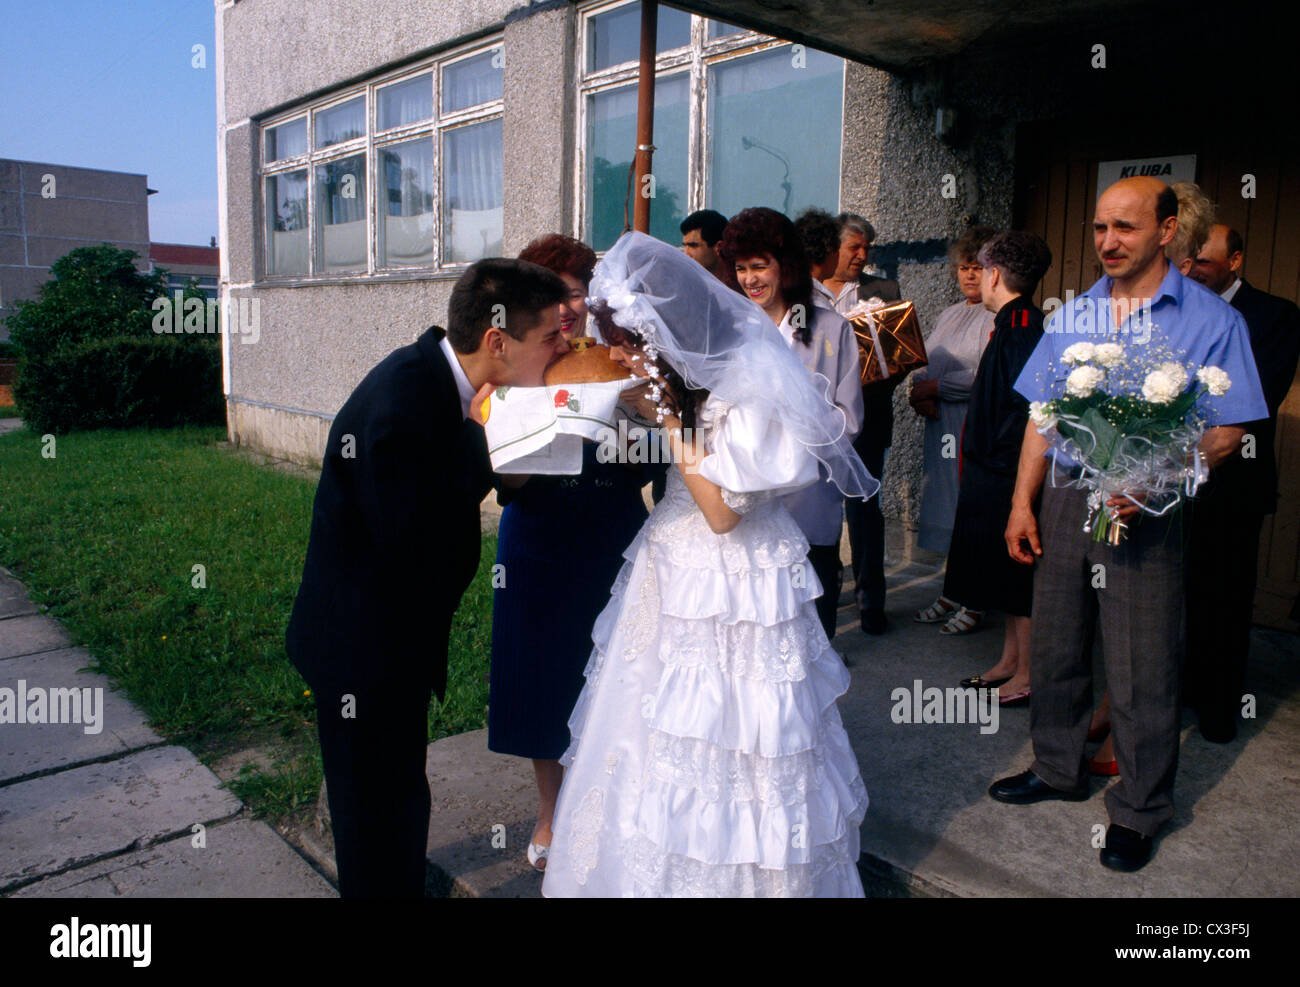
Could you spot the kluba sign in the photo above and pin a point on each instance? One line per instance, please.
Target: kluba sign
(1169, 169)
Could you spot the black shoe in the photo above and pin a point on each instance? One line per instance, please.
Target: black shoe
(1125, 849)
(873, 621)
(1027, 788)
(980, 682)
(1216, 729)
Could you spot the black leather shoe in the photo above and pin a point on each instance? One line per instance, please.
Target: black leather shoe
(1215, 728)
(1027, 788)
(873, 622)
(1125, 849)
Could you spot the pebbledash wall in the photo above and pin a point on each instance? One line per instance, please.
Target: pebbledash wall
(318, 339)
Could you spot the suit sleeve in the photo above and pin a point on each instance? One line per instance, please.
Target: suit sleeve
(1277, 351)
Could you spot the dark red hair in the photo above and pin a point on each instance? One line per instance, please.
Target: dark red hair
(563, 255)
(760, 230)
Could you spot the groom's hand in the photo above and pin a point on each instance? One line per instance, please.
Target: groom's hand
(478, 405)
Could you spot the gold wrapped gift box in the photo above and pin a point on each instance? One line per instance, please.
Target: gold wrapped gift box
(891, 335)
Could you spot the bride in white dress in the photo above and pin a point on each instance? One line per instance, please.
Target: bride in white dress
(707, 754)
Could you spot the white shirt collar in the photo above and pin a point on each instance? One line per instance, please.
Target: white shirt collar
(1231, 290)
(847, 298)
(463, 385)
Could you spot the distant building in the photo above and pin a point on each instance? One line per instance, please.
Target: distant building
(185, 262)
(47, 210)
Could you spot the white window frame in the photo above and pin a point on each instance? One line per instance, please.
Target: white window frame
(370, 145)
(697, 57)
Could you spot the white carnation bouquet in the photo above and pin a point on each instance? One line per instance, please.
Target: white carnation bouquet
(1132, 427)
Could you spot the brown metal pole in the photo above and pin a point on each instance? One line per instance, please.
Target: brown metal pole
(645, 114)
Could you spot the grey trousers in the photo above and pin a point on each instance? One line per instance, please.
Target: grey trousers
(1138, 592)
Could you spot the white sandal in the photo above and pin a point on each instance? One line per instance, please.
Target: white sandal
(937, 612)
(963, 621)
(537, 855)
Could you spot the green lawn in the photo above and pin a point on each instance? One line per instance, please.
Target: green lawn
(107, 534)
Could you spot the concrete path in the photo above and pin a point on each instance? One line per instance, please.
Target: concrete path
(931, 828)
(97, 804)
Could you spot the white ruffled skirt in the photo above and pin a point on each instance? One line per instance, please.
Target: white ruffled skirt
(708, 757)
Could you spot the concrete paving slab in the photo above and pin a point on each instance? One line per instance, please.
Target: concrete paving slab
(71, 818)
(484, 808)
(13, 597)
(106, 726)
(241, 859)
(1234, 831)
(28, 635)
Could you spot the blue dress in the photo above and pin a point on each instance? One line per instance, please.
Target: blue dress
(561, 542)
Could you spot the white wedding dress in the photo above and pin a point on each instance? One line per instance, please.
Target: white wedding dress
(707, 754)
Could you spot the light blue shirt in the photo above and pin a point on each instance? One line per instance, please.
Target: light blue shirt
(1192, 323)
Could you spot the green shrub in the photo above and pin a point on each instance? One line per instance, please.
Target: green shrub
(89, 358)
(8, 350)
(154, 381)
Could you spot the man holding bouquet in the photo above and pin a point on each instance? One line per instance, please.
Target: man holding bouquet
(1144, 307)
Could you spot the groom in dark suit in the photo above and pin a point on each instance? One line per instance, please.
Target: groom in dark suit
(394, 543)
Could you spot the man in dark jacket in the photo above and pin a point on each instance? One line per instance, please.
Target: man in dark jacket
(394, 543)
(866, 522)
(1229, 510)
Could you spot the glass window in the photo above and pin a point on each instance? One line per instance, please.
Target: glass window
(341, 123)
(287, 140)
(614, 37)
(717, 29)
(405, 103)
(611, 143)
(473, 192)
(286, 223)
(473, 81)
(341, 214)
(774, 131)
(406, 209)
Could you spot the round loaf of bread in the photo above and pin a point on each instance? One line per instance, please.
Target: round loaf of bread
(587, 362)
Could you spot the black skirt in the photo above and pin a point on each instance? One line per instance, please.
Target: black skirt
(981, 575)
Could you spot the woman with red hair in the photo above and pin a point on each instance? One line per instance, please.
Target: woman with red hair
(558, 569)
(764, 249)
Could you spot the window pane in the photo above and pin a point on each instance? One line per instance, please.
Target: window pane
(406, 210)
(285, 197)
(341, 123)
(473, 81)
(341, 214)
(611, 142)
(286, 140)
(774, 132)
(473, 192)
(406, 102)
(615, 37)
(719, 30)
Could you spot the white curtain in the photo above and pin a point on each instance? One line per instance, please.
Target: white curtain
(473, 81)
(341, 214)
(406, 213)
(406, 102)
(473, 191)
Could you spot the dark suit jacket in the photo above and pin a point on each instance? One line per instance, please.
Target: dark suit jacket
(1274, 325)
(394, 532)
(877, 399)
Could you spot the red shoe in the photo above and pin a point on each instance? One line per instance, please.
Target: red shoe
(1103, 769)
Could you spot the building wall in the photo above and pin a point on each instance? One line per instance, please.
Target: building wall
(315, 342)
(82, 207)
(893, 172)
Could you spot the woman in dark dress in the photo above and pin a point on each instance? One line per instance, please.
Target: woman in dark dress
(561, 543)
(980, 572)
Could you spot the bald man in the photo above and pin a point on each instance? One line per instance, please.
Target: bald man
(1229, 511)
(1136, 588)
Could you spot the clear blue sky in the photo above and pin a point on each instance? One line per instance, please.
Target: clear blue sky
(109, 84)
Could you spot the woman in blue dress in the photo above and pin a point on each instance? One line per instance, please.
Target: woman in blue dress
(561, 543)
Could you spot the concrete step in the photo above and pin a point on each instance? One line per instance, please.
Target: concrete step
(30, 749)
(56, 822)
(239, 859)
